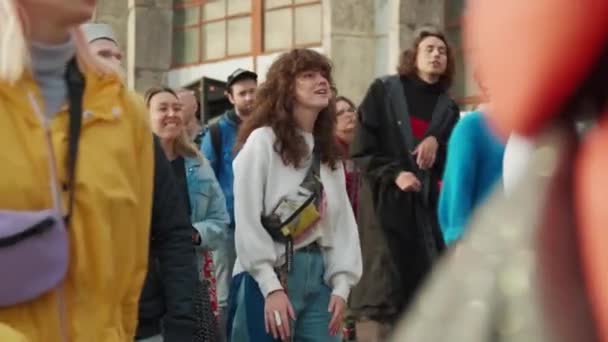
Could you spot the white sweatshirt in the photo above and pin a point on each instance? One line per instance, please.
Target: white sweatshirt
(260, 180)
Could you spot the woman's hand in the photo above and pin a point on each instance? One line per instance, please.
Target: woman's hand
(278, 314)
(336, 307)
(426, 152)
(196, 237)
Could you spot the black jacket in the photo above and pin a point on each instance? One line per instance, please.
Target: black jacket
(380, 149)
(171, 281)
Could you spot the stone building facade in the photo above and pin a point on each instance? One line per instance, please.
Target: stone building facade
(179, 42)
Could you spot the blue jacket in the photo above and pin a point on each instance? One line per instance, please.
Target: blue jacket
(473, 167)
(222, 165)
(208, 208)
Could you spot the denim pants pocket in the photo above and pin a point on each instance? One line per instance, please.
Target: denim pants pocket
(309, 296)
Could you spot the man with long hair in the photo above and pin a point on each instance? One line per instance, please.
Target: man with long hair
(405, 121)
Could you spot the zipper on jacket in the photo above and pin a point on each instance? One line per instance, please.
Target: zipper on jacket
(54, 179)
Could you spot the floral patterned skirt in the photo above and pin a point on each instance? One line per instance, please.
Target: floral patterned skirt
(208, 275)
(206, 304)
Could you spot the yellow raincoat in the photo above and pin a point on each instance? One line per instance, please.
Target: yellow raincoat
(110, 223)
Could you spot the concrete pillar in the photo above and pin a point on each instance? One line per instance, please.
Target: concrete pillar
(416, 13)
(150, 31)
(387, 36)
(114, 13)
(351, 45)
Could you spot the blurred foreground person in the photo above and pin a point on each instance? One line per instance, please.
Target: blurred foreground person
(536, 264)
(474, 166)
(76, 195)
(166, 309)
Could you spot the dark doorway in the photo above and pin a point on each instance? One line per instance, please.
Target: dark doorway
(215, 102)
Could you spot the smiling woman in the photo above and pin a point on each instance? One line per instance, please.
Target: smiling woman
(198, 185)
(167, 122)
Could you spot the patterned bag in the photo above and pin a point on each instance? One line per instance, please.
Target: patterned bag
(207, 328)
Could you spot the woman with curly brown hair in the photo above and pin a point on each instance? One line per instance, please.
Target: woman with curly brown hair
(298, 252)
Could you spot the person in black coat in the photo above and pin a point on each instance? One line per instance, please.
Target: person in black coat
(404, 123)
(166, 305)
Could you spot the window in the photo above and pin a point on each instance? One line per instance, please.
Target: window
(210, 30)
(207, 30)
(291, 23)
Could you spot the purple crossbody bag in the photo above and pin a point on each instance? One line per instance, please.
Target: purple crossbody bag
(34, 245)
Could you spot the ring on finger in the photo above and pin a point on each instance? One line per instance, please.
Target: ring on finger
(277, 318)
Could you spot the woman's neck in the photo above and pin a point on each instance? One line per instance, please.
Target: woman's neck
(305, 118)
(47, 32)
(168, 146)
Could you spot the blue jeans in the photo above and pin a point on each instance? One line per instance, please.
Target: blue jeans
(308, 295)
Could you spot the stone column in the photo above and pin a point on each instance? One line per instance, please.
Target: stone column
(150, 38)
(387, 36)
(114, 13)
(351, 45)
(416, 13)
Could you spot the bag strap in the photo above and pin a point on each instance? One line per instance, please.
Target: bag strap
(216, 140)
(314, 172)
(76, 84)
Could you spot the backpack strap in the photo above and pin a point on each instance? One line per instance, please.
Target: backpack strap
(216, 139)
(76, 85)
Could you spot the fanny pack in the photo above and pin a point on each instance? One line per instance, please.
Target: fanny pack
(297, 213)
(34, 246)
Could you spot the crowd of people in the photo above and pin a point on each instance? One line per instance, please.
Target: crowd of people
(126, 217)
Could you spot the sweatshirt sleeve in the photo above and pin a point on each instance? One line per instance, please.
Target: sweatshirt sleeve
(456, 199)
(254, 246)
(344, 259)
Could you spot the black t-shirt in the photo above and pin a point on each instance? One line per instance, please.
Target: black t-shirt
(179, 170)
(421, 101)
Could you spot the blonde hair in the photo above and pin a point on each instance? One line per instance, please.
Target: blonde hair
(186, 148)
(183, 145)
(14, 47)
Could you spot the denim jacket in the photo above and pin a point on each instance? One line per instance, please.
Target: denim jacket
(208, 207)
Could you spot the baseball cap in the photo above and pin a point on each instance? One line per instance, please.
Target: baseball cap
(240, 74)
(95, 31)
